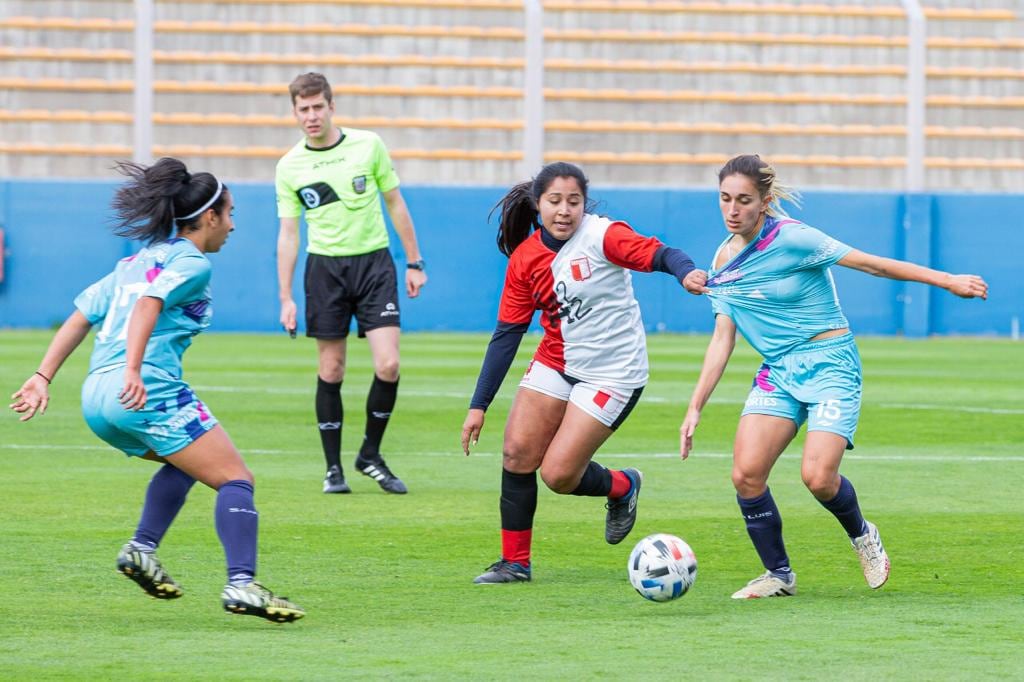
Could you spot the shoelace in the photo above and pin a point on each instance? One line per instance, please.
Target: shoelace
(872, 551)
(271, 598)
(150, 565)
(765, 577)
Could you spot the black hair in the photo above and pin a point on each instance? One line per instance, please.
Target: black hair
(517, 211)
(147, 204)
(762, 174)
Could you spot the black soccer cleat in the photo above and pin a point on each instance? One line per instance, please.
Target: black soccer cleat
(622, 511)
(334, 481)
(502, 571)
(377, 470)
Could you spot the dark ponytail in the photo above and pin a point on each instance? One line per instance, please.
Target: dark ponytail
(148, 206)
(518, 214)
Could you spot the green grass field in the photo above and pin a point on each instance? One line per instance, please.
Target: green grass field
(386, 580)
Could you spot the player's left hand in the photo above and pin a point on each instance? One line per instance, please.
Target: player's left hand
(968, 286)
(695, 282)
(414, 281)
(32, 397)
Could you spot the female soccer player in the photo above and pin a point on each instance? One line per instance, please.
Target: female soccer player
(590, 367)
(770, 279)
(134, 398)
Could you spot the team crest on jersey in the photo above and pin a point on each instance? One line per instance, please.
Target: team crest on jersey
(580, 268)
(359, 184)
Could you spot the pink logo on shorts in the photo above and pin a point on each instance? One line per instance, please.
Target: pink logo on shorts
(601, 399)
(762, 380)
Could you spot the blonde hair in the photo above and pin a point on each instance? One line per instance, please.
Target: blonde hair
(762, 174)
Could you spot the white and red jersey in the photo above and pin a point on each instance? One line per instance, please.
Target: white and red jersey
(592, 325)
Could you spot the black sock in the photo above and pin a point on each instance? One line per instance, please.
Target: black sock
(379, 403)
(518, 500)
(596, 482)
(329, 415)
(764, 526)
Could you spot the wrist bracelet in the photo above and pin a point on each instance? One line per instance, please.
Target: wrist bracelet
(48, 380)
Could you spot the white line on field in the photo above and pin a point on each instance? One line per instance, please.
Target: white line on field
(952, 408)
(646, 398)
(600, 455)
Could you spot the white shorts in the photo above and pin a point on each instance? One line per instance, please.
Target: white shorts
(609, 405)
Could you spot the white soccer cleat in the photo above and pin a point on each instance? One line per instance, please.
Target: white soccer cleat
(873, 559)
(767, 585)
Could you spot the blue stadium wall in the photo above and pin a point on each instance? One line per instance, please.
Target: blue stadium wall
(58, 241)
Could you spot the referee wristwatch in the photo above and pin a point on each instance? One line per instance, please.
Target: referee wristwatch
(417, 265)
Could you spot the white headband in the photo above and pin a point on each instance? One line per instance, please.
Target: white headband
(208, 204)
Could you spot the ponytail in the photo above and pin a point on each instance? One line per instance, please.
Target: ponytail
(518, 214)
(146, 207)
(517, 217)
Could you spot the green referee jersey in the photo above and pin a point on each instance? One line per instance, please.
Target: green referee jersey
(338, 188)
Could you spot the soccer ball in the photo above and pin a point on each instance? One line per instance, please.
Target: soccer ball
(662, 567)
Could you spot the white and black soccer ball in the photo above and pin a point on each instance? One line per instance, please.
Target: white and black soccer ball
(662, 567)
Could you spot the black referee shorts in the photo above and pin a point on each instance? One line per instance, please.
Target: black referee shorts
(338, 287)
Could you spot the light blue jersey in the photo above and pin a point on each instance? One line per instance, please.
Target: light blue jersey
(174, 271)
(173, 417)
(778, 290)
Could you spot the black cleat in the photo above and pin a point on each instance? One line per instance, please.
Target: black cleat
(334, 481)
(622, 511)
(502, 571)
(378, 471)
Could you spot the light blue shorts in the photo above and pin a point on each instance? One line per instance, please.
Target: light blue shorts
(172, 418)
(818, 382)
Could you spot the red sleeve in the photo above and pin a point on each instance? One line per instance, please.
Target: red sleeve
(516, 306)
(627, 249)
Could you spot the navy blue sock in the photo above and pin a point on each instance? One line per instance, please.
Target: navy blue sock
(164, 498)
(237, 521)
(844, 506)
(764, 526)
(596, 482)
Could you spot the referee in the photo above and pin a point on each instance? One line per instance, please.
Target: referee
(335, 176)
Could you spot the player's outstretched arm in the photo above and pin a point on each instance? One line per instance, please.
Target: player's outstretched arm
(720, 348)
(964, 286)
(34, 394)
